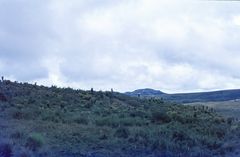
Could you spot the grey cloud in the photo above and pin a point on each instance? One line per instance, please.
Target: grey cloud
(173, 46)
(24, 38)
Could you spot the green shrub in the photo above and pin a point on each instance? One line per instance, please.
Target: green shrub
(131, 122)
(17, 135)
(140, 114)
(155, 145)
(179, 136)
(160, 116)
(115, 121)
(26, 113)
(24, 153)
(17, 115)
(229, 146)
(35, 141)
(230, 120)
(122, 132)
(111, 121)
(6, 150)
(219, 120)
(133, 102)
(81, 120)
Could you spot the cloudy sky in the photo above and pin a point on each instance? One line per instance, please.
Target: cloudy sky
(174, 46)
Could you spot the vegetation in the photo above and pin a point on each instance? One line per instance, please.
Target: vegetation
(229, 109)
(62, 122)
(34, 141)
(5, 150)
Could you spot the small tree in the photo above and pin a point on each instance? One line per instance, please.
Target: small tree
(92, 90)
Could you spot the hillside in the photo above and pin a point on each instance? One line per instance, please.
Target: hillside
(227, 108)
(224, 95)
(38, 121)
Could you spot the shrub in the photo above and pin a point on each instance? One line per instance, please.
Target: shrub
(131, 121)
(160, 116)
(81, 120)
(133, 102)
(155, 144)
(26, 114)
(17, 115)
(219, 120)
(17, 135)
(122, 132)
(5, 150)
(34, 141)
(3, 97)
(111, 121)
(229, 146)
(230, 120)
(178, 136)
(24, 153)
(140, 114)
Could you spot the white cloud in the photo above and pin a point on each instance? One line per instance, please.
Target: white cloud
(236, 20)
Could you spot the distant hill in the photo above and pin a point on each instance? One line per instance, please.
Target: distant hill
(223, 95)
(145, 92)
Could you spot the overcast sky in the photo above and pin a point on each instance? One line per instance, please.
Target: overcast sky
(174, 46)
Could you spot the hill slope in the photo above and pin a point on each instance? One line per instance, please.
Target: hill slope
(227, 108)
(61, 122)
(224, 95)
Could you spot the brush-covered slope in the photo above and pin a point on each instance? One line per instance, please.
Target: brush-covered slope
(38, 121)
(225, 108)
(224, 95)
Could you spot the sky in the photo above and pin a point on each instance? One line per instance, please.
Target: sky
(174, 46)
